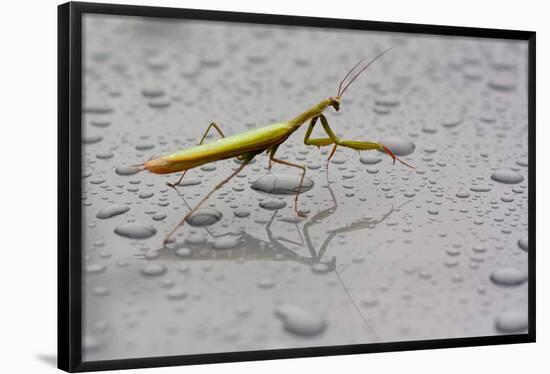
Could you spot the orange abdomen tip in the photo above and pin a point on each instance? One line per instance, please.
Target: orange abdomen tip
(160, 166)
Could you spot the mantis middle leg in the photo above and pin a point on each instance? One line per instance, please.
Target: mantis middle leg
(217, 187)
(212, 125)
(272, 158)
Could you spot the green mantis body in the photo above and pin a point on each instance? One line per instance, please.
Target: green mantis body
(245, 146)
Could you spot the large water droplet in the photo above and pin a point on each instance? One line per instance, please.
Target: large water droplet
(508, 277)
(282, 184)
(512, 321)
(204, 217)
(523, 244)
(112, 210)
(398, 145)
(127, 170)
(507, 177)
(134, 230)
(300, 321)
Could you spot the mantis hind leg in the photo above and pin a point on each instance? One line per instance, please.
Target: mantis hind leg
(247, 159)
(212, 125)
(273, 159)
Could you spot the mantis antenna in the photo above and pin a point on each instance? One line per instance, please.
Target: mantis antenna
(340, 90)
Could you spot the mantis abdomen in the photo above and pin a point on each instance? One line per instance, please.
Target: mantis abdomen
(255, 140)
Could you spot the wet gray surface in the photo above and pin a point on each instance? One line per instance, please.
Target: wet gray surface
(385, 253)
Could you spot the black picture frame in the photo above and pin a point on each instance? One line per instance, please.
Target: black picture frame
(69, 185)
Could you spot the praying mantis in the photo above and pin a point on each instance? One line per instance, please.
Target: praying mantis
(247, 145)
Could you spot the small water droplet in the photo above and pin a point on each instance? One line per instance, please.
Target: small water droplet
(134, 230)
(111, 211)
(127, 170)
(153, 269)
(226, 242)
(183, 252)
(273, 204)
(282, 184)
(159, 217)
(241, 213)
(176, 294)
(266, 283)
(370, 159)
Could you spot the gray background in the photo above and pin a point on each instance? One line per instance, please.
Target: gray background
(412, 259)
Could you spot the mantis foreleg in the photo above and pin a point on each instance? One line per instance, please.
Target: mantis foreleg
(272, 158)
(334, 139)
(217, 187)
(214, 125)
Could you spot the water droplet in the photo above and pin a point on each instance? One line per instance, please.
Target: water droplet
(204, 217)
(508, 277)
(210, 167)
(266, 283)
(282, 184)
(195, 238)
(145, 195)
(134, 230)
(91, 343)
(95, 269)
(104, 155)
(176, 294)
(159, 217)
(189, 182)
(398, 145)
(370, 159)
(241, 213)
(226, 242)
(321, 268)
(480, 189)
(91, 139)
(127, 170)
(183, 252)
(462, 195)
(144, 146)
(523, 244)
(300, 321)
(512, 321)
(153, 269)
(100, 291)
(273, 204)
(100, 123)
(111, 211)
(152, 92)
(97, 109)
(507, 177)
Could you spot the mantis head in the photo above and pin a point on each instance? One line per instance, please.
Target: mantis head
(334, 102)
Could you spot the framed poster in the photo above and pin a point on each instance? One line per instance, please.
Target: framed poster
(245, 186)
